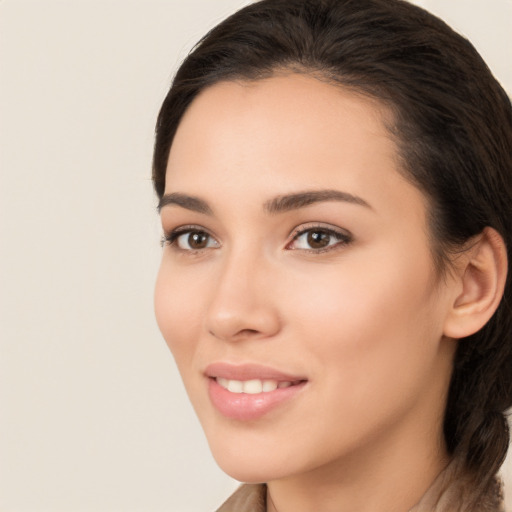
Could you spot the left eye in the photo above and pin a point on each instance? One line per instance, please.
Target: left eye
(192, 240)
(318, 239)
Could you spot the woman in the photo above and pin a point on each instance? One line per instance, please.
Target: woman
(335, 182)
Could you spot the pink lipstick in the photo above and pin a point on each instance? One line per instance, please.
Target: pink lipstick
(248, 392)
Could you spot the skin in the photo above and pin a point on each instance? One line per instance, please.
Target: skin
(363, 320)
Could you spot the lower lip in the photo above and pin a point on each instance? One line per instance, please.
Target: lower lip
(246, 407)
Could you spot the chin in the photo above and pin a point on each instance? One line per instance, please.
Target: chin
(245, 474)
(249, 472)
(251, 462)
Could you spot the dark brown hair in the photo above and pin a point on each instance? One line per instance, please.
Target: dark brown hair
(453, 126)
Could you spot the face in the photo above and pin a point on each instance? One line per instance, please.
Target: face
(297, 291)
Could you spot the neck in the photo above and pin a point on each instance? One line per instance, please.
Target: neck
(390, 476)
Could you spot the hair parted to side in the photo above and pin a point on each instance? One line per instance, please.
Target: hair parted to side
(453, 127)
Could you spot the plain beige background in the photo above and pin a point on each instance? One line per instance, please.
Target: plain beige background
(92, 413)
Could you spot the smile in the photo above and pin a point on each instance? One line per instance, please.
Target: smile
(253, 386)
(250, 391)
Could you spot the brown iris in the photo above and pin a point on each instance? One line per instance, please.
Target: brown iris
(198, 240)
(318, 239)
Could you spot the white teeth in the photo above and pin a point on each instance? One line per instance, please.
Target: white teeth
(269, 385)
(235, 386)
(223, 382)
(251, 387)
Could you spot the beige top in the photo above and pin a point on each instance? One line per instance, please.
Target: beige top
(447, 494)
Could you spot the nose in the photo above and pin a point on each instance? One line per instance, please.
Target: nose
(242, 305)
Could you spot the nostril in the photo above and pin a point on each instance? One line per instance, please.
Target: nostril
(241, 334)
(247, 332)
(236, 321)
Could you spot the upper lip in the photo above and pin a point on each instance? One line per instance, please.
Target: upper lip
(249, 371)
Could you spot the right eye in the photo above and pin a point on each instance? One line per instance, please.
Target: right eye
(191, 240)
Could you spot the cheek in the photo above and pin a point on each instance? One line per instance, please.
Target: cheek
(367, 334)
(177, 313)
(371, 314)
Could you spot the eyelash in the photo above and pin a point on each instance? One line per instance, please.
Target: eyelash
(172, 237)
(342, 238)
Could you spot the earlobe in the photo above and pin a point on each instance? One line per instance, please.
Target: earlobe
(481, 282)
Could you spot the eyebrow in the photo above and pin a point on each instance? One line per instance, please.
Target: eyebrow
(279, 204)
(298, 200)
(192, 203)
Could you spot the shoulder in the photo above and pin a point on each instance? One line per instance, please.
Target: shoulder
(247, 498)
(455, 490)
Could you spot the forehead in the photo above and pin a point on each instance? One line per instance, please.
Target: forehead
(296, 101)
(240, 141)
(282, 118)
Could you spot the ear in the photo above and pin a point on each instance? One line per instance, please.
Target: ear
(480, 284)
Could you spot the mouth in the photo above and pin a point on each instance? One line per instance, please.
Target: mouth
(254, 386)
(249, 392)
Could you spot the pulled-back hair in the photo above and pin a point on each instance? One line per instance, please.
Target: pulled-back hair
(453, 128)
